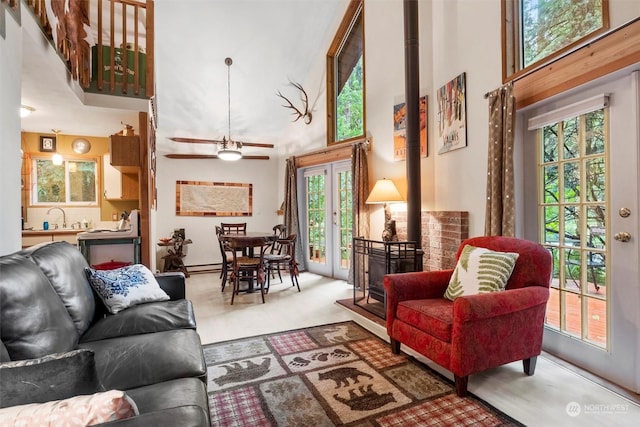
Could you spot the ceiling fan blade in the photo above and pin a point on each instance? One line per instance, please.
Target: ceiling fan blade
(215, 141)
(209, 156)
(194, 140)
(256, 144)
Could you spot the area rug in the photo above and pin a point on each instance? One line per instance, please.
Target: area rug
(337, 374)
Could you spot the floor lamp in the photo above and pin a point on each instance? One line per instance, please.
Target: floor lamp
(385, 191)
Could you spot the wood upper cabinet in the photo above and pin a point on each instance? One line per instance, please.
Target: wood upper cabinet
(125, 153)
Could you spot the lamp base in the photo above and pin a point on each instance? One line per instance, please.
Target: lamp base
(389, 233)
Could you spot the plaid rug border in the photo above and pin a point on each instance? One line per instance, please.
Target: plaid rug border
(508, 420)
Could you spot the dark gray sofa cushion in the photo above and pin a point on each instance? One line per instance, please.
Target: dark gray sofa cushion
(170, 394)
(139, 360)
(143, 319)
(64, 265)
(4, 354)
(52, 377)
(34, 320)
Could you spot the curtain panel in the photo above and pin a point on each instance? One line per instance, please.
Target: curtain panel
(291, 218)
(500, 209)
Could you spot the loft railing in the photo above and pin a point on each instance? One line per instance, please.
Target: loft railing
(106, 44)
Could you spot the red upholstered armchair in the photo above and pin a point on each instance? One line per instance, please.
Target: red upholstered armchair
(474, 332)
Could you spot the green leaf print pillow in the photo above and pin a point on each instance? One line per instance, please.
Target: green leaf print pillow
(480, 270)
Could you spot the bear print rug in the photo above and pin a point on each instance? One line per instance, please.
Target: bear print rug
(332, 375)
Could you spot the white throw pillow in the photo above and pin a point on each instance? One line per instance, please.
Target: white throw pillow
(77, 411)
(480, 270)
(127, 286)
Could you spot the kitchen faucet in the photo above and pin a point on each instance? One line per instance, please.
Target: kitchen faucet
(64, 215)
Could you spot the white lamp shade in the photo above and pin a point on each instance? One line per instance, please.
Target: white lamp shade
(384, 191)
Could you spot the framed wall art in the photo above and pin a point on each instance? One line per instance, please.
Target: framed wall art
(198, 198)
(452, 115)
(400, 129)
(47, 144)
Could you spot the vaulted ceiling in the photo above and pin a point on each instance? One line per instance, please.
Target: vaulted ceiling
(271, 42)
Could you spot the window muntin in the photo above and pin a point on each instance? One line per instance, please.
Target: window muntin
(74, 182)
(345, 78)
(535, 31)
(572, 208)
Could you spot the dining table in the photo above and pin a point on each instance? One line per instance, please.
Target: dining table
(247, 242)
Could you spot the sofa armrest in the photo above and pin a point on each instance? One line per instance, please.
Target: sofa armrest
(173, 283)
(411, 286)
(487, 305)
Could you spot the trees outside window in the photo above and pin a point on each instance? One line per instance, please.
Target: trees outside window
(538, 30)
(72, 182)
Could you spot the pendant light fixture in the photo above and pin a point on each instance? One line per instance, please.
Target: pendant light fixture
(228, 149)
(57, 158)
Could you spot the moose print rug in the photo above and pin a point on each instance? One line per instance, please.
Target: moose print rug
(337, 374)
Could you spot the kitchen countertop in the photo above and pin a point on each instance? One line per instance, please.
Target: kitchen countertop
(40, 232)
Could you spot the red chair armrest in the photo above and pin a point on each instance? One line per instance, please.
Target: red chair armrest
(487, 305)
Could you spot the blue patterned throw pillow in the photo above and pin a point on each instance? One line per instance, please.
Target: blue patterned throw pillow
(125, 287)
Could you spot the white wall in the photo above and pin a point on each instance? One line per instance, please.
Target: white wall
(201, 230)
(10, 162)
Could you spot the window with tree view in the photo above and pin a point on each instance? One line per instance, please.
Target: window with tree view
(72, 182)
(345, 78)
(535, 30)
(573, 202)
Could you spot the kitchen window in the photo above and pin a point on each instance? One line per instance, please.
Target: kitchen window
(74, 182)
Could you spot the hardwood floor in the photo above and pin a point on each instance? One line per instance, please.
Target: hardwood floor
(555, 396)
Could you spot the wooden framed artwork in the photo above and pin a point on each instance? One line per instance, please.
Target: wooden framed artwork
(198, 198)
(400, 129)
(452, 115)
(47, 144)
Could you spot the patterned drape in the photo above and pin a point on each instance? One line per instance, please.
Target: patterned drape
(500, 210)
(291, 218)
(360, 192)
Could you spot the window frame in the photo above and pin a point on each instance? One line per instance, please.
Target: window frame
(33, 176)
(511, 33)
(354, 11)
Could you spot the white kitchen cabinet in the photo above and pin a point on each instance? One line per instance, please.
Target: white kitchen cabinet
(117, 185)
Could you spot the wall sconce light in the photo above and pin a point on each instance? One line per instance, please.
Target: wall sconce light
(385, 191)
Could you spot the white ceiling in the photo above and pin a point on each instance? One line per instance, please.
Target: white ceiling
(270, 42)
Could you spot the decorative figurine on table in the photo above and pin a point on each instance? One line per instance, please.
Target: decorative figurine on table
(173, 260)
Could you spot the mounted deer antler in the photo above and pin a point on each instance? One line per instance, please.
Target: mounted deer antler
(306, 116)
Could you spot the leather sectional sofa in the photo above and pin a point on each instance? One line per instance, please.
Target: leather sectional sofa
(151, 351)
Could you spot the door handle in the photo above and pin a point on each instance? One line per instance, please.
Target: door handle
(622, 236)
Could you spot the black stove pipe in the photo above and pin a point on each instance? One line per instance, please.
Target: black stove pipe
(412, 97)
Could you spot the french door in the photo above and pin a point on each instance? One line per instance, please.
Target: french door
(587, 216)
(326, 213)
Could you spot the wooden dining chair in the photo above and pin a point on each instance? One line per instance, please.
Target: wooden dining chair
(245, 268)
(284, 260)
(227, 258)
(234, 227)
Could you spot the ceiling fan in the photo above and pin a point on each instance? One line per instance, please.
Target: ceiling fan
(228, 149)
